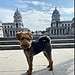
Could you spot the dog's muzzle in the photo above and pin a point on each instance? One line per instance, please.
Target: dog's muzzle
(26, 45)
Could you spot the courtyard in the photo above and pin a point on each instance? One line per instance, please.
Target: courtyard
(13, 62)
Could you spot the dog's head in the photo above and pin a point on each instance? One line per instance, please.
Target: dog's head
(25, 39)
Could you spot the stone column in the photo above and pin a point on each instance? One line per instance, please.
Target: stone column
(56, 31)
(63, 31)
(53, 31)
(59, 31)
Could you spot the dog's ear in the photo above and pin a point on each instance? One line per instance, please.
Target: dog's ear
(18, 35)
(30, 35)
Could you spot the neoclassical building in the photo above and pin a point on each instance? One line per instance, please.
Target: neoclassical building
(60, 27)
(10, 29)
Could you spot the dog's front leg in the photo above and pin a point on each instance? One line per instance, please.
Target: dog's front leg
(29, 60)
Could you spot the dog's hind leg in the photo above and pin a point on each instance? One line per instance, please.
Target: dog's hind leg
(49, 58)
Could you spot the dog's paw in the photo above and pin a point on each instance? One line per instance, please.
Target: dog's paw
(50, 69)
(48, 66)
(28, 73)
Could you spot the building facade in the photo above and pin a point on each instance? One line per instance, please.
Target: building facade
(60, 27)
(10, 29)
(1, 29)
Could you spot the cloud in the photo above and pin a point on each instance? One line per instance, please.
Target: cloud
(6, 15)
(67, 10)
(66, 13)
(40, 5)
(36, 20)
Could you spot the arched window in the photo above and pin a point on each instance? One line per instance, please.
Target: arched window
(68, 24)
(65, 25)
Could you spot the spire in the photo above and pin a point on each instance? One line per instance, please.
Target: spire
(55, 8)
(17, 9)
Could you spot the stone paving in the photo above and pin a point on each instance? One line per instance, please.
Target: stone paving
(14, 62)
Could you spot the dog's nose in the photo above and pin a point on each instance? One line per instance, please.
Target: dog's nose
(25, 46)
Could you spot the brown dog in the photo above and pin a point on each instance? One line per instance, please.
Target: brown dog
(32, 48)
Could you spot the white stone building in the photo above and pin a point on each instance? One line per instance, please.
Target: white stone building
(10, 29)
(1, 29)
(59, 27)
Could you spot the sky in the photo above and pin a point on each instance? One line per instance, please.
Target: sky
(36, 14)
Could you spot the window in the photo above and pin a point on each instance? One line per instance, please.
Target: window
(11, 26)
(13, 33)
(10, 33)
(56, 23)
(5, 31)
(8, 26)
(51, 25)
(52, 31)
(66, 25)
(5, 26)
(16, 25)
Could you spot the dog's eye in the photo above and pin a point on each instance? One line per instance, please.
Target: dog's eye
(22, 38)
(27, 38)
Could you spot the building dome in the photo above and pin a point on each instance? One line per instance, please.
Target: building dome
(17, 13)
(55, 15)
(17, 16)
(18, 19)
(56, 11)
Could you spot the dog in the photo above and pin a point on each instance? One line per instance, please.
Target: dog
(32, 48)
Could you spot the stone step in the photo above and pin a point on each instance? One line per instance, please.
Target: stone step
(16, 47)
(13, 42)
(4, 39)
(62, 41)
(52, 37)
(58, 37)
(53, 41)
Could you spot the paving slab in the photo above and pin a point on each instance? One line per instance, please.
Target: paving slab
(14, 62)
